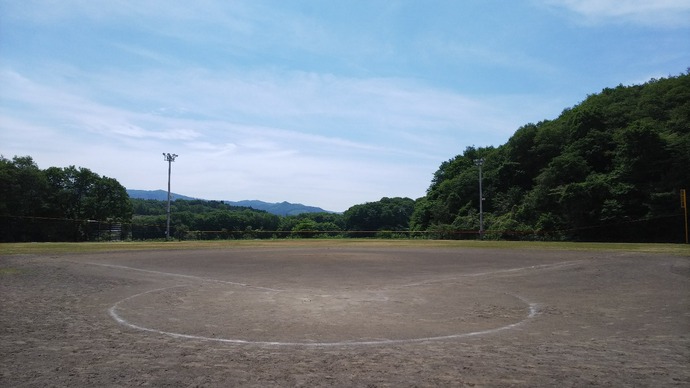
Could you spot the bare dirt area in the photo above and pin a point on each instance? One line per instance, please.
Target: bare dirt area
(345, 316)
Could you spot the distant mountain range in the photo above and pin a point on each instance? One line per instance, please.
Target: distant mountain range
(159, 195)
(279, 208)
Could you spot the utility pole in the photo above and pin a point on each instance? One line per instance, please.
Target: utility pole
(684, 206)
(168, 158)
(480, 162)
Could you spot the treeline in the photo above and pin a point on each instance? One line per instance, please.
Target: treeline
(215, 218)
(609, 169)
(198, 219)
(57, 204)
(76, 204)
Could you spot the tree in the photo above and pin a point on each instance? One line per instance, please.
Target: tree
(386, 214)
(23, 190)
(305, 228)
(607, 169)
(56, 203)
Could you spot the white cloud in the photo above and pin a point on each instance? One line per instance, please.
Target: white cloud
(657, 13)
(303, 106)
(140, 133)
(303, 137)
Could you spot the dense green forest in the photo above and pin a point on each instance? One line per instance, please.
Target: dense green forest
(214, 219)
(609, 169)
(43, 205)
(76, 204)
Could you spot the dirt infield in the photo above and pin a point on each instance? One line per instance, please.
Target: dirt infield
(345, 316)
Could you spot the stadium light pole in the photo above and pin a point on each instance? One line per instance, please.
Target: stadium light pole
(168, 158)
(684, 206)
(480, 162)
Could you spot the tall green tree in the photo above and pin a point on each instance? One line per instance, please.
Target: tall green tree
(80, 194)
(391, 214)
(23, 191)
(609, 168)
(56, 203)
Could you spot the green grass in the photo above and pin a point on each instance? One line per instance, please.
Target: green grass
(93, 247)
(9, 271)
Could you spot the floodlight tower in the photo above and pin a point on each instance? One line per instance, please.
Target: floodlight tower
(168, 158)
(480, 162)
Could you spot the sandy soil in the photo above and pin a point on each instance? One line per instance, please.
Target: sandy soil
(372, 317)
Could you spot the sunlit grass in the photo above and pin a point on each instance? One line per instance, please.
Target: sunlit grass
(9, 271)
(92, 247)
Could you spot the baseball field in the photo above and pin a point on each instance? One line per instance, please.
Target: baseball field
(367, 313)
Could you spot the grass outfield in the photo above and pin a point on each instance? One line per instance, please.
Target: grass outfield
(89, 247)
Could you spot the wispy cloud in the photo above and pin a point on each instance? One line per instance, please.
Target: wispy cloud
(483, 54)
(322, 106)
(140, 133)
(147, 54)
(309, 132)
(656, 13)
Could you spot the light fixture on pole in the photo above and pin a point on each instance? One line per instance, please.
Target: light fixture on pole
(480, 162)
(168, 158)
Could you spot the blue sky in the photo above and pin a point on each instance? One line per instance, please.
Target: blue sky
(326, 103)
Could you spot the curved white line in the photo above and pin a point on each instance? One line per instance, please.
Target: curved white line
(186, 276)
(499, 271)
(533, 311)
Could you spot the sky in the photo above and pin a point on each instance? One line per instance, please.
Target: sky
(325, 103)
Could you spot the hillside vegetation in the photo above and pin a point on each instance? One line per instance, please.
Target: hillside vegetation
(56, 204)
(201, 219)
(281, 208)
(607, 169)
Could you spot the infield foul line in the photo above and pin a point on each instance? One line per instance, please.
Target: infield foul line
(496, 272)
(185, 276)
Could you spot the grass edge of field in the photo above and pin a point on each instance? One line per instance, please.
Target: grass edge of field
(94, 247)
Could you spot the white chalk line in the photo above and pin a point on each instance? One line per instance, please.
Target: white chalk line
(496, 272)
(533, 311)
(186, 276)
(477, 274)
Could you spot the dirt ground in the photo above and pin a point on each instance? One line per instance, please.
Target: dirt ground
(366, 317)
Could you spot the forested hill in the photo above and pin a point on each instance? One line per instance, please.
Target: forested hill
(278, 208)
(609, 168)
(159, 195)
